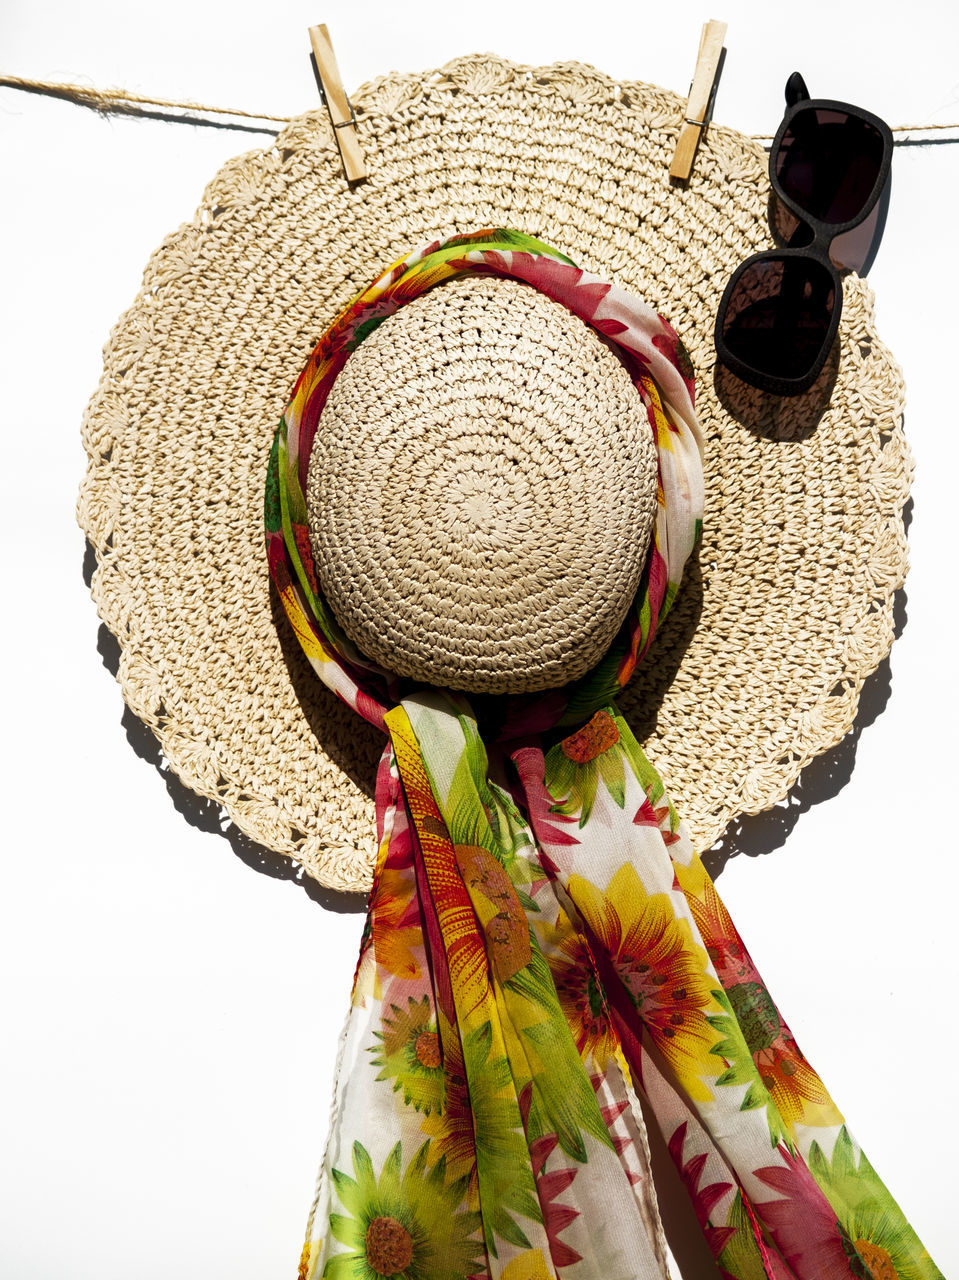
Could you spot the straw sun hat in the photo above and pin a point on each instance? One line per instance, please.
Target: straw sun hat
(784, 610)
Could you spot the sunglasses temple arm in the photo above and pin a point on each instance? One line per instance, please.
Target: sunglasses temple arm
(796, 90)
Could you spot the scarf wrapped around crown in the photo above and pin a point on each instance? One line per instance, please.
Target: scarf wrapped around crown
(542, 943)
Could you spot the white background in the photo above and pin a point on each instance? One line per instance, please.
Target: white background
(172, 996)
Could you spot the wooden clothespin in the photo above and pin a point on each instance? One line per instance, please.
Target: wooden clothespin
(702, 91)
(338, 104)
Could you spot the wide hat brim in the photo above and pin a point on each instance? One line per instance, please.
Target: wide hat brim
(787, 605)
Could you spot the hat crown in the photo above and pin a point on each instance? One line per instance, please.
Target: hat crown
(482, 490)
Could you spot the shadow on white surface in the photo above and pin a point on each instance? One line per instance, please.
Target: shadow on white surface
(754, 835)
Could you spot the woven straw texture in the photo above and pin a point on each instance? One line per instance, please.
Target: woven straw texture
(482, 491)
(785, 610)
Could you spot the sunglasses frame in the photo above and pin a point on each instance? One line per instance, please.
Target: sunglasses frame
(823, 234)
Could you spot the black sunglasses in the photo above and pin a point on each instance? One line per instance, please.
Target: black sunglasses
(829, 167)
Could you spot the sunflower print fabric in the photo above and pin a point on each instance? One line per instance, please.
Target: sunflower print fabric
(543, 949)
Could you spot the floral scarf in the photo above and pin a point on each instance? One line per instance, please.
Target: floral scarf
(543, 948)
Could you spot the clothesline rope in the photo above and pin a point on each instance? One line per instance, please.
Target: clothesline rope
(121, 101)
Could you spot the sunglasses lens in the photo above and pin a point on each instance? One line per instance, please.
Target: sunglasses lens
(855, 249)
(829, 162)
(778, 315)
